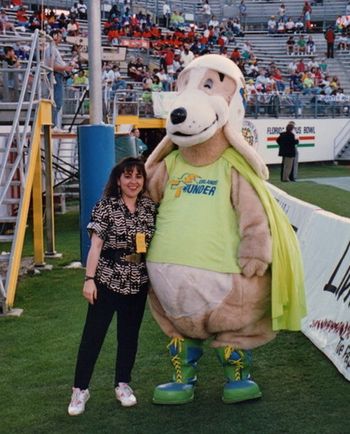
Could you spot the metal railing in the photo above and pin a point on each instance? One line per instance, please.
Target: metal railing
(131, 102)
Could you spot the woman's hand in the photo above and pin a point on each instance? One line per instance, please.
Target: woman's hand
(90, 291)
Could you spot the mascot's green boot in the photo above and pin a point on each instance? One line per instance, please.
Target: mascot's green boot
(236, 365)
(184, 356)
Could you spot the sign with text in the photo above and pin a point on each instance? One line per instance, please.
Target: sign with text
(325, 245)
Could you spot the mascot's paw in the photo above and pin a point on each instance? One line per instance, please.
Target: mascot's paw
(238, 391)
(173, 394)
(252, 266)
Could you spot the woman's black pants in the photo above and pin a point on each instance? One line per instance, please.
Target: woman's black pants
(130, 310)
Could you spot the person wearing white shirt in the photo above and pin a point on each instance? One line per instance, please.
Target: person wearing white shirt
(166, 14)
(186, 56)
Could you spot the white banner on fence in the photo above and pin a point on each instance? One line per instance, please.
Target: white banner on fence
(326, 254)
(325, 244)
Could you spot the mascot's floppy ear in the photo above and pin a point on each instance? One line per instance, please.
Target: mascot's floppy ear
(233, 127)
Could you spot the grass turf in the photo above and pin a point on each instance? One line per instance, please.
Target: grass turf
(302, 390)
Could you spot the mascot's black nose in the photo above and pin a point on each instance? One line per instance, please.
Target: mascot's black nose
(178, 115)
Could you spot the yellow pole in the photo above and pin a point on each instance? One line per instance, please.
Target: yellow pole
(38, 226)
(17, 244)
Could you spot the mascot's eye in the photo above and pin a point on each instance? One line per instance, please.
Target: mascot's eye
(208, 83)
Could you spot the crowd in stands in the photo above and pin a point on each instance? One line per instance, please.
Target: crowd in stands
(175, 43)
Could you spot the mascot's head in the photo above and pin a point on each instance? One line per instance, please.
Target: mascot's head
(211, 92)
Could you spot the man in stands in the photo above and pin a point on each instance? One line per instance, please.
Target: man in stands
(186, 56)
(54, 60)
(330, 38)
(272, 25)
(82, 10)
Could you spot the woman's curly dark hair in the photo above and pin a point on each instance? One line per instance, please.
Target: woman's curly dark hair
(127, 165)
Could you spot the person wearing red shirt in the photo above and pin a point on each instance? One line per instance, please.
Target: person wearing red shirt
(301, 68)
(235, 55)
(330, 38)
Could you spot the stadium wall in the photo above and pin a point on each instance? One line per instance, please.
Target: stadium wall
(319, 139)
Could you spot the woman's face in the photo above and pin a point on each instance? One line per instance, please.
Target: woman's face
(131, 184)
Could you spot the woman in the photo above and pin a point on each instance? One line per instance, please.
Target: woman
(116, 280)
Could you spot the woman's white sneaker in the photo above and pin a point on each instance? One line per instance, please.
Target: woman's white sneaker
(78, 401)
(125, 395)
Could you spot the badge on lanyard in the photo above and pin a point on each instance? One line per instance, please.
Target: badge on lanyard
(141, 242)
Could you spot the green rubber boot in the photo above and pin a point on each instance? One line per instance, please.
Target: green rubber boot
(238, 387)
(184, 356)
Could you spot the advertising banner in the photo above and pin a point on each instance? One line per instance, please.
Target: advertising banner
(325, 245)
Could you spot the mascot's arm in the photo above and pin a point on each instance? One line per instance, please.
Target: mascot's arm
(157, 177)
(255, 250)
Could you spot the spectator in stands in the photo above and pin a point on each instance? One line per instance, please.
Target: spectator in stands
(292, 66)
(300, 67)
(5, 23)
(290, 43)
(80, 79)
(330, 38)
(107, 74)
(308, 83)
(310, 46)
(290, 26)
(206, 11)
(73, 28)
(301, 45)
(156, 85)
(276, 76)
(54, 60)
(236, 27)
(343, 41)
(73, 12)
(295, 82)
(176, 20)
(22, 17)
(307, 9)
(235, 55)
(299, 25)
(12, 78)
(281, 26)
(82, 10)
(272, 25)
(118, 82)
(282, 12)
(136, 69)
(165, 79)
(186, 56)
(16, 4)
(213, 22)
(312, 63)
(166, 13)
(242, 14)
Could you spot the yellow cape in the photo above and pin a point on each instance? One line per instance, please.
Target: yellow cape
(288, 304)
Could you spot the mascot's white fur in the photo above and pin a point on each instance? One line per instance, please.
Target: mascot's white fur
(193, 300)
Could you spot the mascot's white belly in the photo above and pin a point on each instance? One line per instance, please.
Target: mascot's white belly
(188, 291)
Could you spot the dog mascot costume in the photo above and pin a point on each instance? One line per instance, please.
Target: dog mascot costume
(224, 262)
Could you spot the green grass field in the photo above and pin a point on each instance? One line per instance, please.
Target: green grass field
(302, 390)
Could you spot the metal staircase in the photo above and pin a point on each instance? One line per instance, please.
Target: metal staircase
(20, 168)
